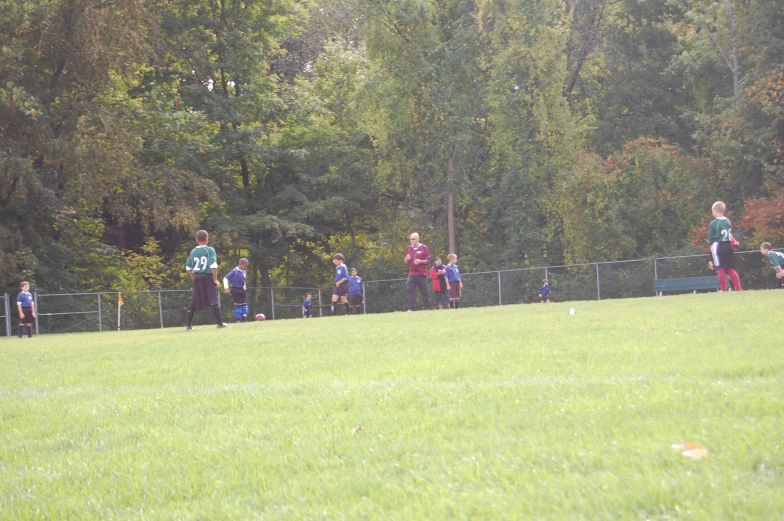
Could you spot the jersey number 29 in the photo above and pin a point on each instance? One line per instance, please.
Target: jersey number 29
(200, 263)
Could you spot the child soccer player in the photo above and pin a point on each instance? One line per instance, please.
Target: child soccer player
(26, 307)
(306, 305)
(236, 278)
(544, 292)
(454, 285)
(341, 284)
(437, 273)
(202, 267)
(776, 260)
(355, 291)
(720, 239)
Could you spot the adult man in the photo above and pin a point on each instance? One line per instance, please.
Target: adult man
(417, 257)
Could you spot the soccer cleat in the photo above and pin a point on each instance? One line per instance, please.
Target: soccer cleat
(188, 328)
(221, 326)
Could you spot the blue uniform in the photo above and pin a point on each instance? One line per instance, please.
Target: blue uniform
(236, 278)
(341, 272)
(452, 273)
(355, 285)
(544, 290)
(306, 305)
(25, 299)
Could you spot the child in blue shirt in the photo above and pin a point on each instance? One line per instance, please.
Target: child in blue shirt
(26, 307)
(544, 292)
(454, 285)
(236, 278)
(340, 291)
(355, 290)
(306, 305)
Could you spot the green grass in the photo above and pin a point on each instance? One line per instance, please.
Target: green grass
(519, 412)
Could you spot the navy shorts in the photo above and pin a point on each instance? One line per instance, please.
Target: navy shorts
(341, 291)
(28, 317)
(441, 297)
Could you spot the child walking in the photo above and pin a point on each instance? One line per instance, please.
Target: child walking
(544, 292)
(26, 308)
(306, 305)
(236, 278)
(720, 239)
(454, 285)
(341, 284)
(202, 267)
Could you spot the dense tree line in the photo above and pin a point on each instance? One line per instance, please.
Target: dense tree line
(515, 132)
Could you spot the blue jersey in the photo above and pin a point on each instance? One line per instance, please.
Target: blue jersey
(236, 278)
(306, 304)
(341, 272)
(544, 290)
(452, 273)
(355, 285)
(25, 299)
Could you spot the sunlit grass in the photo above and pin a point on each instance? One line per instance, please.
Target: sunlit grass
(519, 412)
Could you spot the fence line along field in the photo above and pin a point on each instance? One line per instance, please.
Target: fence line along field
(514, 412)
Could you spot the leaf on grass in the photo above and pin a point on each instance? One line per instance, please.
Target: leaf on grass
(356, 429)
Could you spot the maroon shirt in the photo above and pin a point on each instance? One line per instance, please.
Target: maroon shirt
(422, 253)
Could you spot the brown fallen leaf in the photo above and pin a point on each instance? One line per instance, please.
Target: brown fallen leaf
(356, 429)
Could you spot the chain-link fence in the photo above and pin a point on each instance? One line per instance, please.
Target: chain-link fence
(596, 281)
(6, 314)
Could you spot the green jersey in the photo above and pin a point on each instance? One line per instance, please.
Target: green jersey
(720, 230)
(202, 260)
(776, 258)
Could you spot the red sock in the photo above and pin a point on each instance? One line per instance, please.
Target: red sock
(722, 279)
(735, 279)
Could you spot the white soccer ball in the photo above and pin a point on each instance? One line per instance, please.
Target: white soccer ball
(572, 311)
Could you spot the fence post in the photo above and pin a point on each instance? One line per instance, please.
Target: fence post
(499, 289)
(655, 270)
(598, 286)
(8, 315)
(37, 310)
(160, 308)
(319, 293)
(364, 300)
(272, 299)
(100, 315)
(546, 276)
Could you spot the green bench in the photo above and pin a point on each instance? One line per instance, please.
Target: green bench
(686, 284)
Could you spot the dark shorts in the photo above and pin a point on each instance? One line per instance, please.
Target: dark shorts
(238, 296)
(355, 300)
(205, 294)
(544, 298)
(723, 255)
(441, 297)
(340, 291)
(454, 292)
(28, 317)
(306, 312)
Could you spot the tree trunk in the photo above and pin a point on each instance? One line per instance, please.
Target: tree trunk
(450, 204)
(266, 283)
(735, 61)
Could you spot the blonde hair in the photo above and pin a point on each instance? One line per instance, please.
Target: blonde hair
(718, 206)
(451, 256)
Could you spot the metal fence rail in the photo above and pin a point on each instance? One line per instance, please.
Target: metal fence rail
(59, 312)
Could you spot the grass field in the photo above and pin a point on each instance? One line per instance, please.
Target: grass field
(519, 412)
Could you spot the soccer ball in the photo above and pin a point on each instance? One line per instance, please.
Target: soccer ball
(260, 317)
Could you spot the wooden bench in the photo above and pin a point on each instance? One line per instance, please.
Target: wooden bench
(710, 282)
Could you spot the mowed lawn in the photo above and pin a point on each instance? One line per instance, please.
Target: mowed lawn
(518, 412)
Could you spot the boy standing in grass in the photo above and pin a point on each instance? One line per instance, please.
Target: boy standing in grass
(355, 290)
(776, 260)
(306, 305)
(341, 284)
(454, 286)
(26, 308)
(544, 292)
(720, 239)
(202, 268)
(236, 278)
